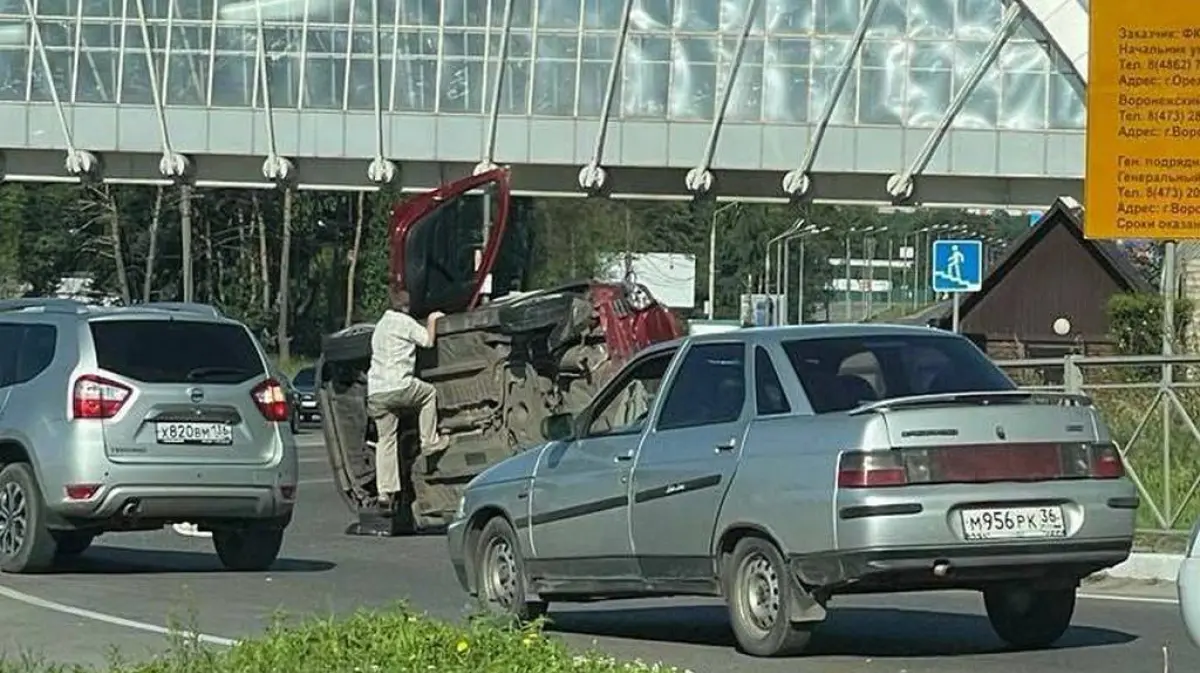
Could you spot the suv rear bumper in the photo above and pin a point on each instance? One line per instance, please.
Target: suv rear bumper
(912, 569)
(152, 502)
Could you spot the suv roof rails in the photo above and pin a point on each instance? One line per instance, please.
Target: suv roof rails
(53, 304)
(181, 307)
(76, 306)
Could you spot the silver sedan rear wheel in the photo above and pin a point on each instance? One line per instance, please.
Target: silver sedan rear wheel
(758, 593)
(758, 588)
(1027, 618)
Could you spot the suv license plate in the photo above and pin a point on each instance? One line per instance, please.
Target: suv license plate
(1007, 523)
(193, 433)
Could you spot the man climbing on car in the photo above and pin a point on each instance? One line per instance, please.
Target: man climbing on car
(393, 388)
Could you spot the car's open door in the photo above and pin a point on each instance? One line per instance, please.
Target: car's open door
(438, 251)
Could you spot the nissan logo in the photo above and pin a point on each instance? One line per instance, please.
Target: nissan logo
(196, 394)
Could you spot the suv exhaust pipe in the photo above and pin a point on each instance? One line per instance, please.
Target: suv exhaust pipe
(131, 509)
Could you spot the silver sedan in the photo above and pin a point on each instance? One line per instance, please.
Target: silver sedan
(779, 468)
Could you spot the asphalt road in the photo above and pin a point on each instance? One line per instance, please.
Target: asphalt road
(128, 585)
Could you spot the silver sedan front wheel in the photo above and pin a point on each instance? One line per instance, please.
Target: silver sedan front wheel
(500, 572)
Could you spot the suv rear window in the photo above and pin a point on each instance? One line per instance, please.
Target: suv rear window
(839, 374)
(176, 351)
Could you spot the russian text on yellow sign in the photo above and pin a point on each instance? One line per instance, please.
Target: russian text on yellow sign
(1143, 120)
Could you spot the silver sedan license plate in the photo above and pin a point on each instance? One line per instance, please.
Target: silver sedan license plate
(1007, 523)
(193, 433)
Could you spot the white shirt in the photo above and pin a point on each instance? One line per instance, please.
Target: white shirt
(394, 351)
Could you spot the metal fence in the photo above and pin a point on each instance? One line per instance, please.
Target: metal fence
(1150, 404)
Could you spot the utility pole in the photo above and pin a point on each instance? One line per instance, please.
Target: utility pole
(628, 249)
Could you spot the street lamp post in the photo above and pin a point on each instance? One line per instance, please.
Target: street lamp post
(785, 266)
(869, 249)
(796, 226)
(802, 235)
(712, 258)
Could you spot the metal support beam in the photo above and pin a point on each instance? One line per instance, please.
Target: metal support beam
(275, 168)
(79, 163)
(700, 179)
(798, 182)
(900, 186)
(487, 163)
(172, 165)
(1064, 24)
(380, 171)
(592, 177)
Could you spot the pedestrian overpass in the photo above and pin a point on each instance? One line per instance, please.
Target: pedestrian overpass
(941, 102)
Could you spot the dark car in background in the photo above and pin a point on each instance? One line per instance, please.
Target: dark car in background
(304, 384)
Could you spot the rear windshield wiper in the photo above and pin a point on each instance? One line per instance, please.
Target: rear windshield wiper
(205, 373)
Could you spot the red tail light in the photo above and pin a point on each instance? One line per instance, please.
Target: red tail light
(1107, 462)
(871, 469)
(95, 397)
(979, 464)
(271, 400)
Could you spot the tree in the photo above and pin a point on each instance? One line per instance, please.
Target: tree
(360, 212)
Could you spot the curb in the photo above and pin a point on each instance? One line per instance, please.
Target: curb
(1146, 566)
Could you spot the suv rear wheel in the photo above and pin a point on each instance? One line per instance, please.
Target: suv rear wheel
(249, 548)
(73, 542)
(26, 544)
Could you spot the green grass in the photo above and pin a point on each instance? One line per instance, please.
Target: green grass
(1167, 480)
(368, 641)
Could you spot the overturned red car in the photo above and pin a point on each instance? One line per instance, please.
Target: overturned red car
(504, 359)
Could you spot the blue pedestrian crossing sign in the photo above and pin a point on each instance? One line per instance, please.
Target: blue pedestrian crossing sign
(957, 265)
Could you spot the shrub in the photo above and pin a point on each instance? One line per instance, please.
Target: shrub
(372, 641)
(1135, 322)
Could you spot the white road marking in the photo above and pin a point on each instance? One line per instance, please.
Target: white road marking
(60, 608)
(1151, 600)
(190, 530)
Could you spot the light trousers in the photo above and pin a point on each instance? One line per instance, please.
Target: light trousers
(385, 408)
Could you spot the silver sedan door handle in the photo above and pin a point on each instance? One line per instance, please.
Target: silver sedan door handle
(624, 457)
(729, 445)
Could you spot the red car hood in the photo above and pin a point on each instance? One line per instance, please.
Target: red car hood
(437, 251)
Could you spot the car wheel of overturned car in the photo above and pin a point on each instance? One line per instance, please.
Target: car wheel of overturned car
(758, 591)
(500, 573)
(26, 544)
(1028, 618)
(250, 548)
(72, 542)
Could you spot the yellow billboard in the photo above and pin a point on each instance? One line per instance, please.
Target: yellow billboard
(1143, 120)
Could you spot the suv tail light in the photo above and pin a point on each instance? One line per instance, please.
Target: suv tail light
(96, 397)
(271, 400)
(979, 464)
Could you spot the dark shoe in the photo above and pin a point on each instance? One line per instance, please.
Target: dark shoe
(385, 504)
